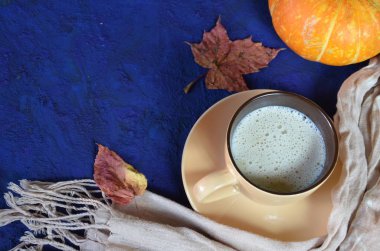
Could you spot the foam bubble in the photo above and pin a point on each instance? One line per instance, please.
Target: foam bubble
(291, 157)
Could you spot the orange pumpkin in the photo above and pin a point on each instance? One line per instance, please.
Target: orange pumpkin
(333, 32)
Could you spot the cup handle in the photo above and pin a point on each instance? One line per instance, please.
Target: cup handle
(216, 186)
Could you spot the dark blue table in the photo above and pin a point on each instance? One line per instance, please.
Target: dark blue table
(73, 73)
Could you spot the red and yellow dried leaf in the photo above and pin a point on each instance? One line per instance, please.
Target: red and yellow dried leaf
(116, 178)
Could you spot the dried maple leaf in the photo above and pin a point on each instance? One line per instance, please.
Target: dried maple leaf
(117, 179)
(229, 60)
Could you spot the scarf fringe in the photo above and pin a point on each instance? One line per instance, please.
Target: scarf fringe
(54, 212)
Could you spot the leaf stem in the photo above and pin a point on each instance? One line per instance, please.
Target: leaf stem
(190, 85)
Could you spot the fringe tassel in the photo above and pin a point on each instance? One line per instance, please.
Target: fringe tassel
(54, 211)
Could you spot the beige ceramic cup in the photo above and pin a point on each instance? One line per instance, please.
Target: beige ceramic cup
(229, 181)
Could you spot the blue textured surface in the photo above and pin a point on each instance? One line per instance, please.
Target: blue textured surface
(73, 73)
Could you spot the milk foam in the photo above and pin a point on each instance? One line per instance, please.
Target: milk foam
(279, 149)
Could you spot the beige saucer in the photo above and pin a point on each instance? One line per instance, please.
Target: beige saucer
(204, 154)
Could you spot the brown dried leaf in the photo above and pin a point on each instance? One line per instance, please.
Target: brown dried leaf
(229, 60)
(117, 179)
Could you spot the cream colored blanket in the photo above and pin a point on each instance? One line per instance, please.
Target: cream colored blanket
(151, 222)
